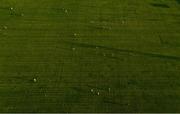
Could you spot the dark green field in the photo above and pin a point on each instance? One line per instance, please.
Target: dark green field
(89, 55)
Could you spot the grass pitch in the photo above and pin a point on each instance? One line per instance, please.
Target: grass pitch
(89, 56)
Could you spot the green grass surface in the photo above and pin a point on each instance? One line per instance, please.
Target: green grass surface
(89, 56)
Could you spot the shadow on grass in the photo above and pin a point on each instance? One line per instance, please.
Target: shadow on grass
(160, 5)
(116, 50)
(178, 1)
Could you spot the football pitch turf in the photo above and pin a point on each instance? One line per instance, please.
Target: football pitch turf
(89, 55)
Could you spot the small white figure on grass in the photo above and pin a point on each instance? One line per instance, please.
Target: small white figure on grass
(75, 34)
(5, 27)
(35, 80)
(109, 89)
(73, 49)
(22, 14)
(98, 93)
(92, 90)
(11, 8)
(66, 11)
